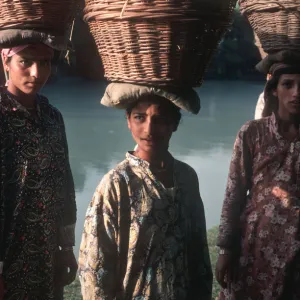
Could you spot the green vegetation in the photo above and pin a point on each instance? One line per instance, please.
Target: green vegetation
(72, 292)
(212, 240)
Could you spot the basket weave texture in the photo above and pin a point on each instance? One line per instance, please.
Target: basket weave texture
(157, 42)
(276, 23)
(49, 15)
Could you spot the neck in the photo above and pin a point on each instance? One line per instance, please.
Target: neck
(156, 159)
(24, 99)
(291, 119)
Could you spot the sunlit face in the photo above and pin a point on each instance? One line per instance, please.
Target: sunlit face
(151, 126)
(28, 70)
(288, 93)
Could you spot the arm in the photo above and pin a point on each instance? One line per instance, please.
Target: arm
(67, 228)
(1, 203)
(238, 185)
(199, 264)
(99, 250)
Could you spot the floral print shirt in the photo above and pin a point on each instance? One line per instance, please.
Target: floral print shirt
(142, 241)
(37, 198)
(260, 215)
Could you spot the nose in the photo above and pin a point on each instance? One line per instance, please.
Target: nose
(34, 70)
(149, 127)
(296, 91)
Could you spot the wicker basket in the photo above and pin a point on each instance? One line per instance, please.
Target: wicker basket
(49, 15)
(155, 41)
(276, 23)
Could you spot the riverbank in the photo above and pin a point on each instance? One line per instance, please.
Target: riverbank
(72, 292)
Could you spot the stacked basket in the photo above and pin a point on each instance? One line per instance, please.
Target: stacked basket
(157, 42)
(43, 18)
(276, 23)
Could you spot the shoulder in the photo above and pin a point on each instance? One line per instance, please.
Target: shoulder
(49, 109)
(115, 177)
(254, 127)
(186, 171)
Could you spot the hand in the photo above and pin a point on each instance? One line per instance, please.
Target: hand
(66, 267)
(226, 270)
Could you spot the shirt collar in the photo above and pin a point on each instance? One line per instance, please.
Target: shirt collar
(137, 162)
(15, 105)
(275, 124)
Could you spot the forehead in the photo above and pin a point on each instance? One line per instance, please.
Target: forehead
(153, 107)
(35, 53)
(290, 77)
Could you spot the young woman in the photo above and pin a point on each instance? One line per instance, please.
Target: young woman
(259, 232)
(37, 202)
(144, 234)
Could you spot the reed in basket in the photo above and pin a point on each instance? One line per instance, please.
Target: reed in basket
(161, 43)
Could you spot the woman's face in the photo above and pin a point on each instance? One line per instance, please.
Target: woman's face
(28, 70)
(288, 94)
(151, 126)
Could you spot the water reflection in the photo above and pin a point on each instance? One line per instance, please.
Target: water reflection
(98, 137)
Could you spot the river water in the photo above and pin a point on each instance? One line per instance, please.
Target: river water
(98, 136)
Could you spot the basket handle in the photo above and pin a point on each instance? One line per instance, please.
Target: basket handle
(123, 9)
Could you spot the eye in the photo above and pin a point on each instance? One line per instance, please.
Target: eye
(45, 63)
(160, 120)
(139, 118)
(25, 62)
(288, 84)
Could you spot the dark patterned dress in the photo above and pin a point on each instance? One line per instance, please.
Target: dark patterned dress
(37, 199)
(143, 241)
(260, 216)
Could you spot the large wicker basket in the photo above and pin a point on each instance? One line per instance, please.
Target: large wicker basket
(157, 41)
(49, 15)
(276, 23)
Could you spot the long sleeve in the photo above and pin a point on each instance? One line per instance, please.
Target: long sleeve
(1, 199)
(99, 250)
(238, 185)
(199, 260)
(67, 228)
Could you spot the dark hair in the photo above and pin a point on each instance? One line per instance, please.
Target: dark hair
(173, 110)
(271, 101)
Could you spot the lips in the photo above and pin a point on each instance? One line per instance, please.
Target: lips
(33, 83)
(296, 103)
(148, 141)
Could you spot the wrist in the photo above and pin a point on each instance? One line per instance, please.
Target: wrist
(223, 251)
(66, 248)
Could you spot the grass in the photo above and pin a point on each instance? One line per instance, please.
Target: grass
(72, 292)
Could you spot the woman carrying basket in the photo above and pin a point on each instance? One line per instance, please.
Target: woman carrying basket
(144, 234)
(259, 232)
(37, 199)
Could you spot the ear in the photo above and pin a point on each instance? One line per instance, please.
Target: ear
(5, 63)
(274, 92)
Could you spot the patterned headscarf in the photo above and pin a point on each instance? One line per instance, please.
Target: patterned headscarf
(9, 52)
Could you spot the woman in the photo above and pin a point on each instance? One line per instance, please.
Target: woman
(144, 234)
(37, 201)
(259, 236)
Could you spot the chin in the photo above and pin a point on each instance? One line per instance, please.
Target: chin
(30, 92)
(295, 112)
